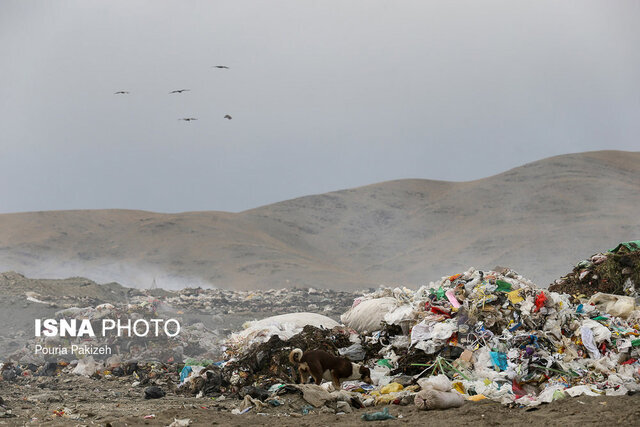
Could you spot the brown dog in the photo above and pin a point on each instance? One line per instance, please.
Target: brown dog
(322, 365)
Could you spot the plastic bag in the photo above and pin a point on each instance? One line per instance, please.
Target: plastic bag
(401, 314)
(380, 375)
(86, 367)
(391, 388)
(354, 352)
(284, 325)
(439, 382)
(378, 416)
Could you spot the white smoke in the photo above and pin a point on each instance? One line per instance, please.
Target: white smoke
(126, 274)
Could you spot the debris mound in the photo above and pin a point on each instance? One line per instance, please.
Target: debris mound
(268, 362)
(616, 271)
(486, 334)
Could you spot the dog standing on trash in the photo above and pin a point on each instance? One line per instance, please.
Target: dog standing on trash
(322, 365)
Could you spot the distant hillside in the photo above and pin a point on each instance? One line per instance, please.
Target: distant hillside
(538, 219)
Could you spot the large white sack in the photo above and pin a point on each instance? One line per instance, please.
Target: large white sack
(283, 325)
(368, 315)
(296, 320)
(615, 305)
(430, 398)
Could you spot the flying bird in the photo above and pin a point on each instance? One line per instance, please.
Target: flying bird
(179, 91)
(221, 67)
(121, 92)
(228, 117)
(188, 119)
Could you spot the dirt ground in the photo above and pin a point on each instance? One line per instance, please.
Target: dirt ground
(87, 401)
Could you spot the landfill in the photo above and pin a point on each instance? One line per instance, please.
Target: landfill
(206, 316)
(493, 334)
(462, 341)
(193, 340)
(496, 335)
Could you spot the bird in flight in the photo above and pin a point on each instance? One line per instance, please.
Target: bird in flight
(221, 67)
(228, 117)
(121, 92)
(179, 91)
(188, 119)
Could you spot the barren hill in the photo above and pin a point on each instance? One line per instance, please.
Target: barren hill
(538, 219)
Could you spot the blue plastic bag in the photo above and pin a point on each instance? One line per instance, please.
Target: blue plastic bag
(499, 360)
(185, 373)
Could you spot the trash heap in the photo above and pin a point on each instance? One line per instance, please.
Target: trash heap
(284, 326)
(206, 317)
(497, 335)
(466, 337)
(274, 301)
(616, 271)
(139, 374)
(490, 334)
(268, 363)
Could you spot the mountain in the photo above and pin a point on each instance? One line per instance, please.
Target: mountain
(539, 219)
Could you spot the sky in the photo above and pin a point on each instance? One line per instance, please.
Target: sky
(325, 95)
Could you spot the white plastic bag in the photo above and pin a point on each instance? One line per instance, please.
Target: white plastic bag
(86, 367)
(354, 352)
(401, 314)
(438, 382)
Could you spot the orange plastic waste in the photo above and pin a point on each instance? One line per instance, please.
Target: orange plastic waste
(477, 397)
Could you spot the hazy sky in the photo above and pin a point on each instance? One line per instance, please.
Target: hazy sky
(324, 95)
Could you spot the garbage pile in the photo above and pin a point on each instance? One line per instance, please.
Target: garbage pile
(82, 292)
(466, 337)
(490, 334)
(268, 362)
(114, 368)
(274, 301)
(614, 272)
(284, 326)
(206, 316)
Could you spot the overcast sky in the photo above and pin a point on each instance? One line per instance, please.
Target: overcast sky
(324, 95)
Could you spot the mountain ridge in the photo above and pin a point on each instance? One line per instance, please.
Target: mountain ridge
(538, 218)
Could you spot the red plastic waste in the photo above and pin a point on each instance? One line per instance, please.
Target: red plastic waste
(517, 389)
(540, 299)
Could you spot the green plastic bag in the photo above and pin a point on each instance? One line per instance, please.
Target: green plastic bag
(384, 362)
(631, 246)
(379, 416)
(503, 286)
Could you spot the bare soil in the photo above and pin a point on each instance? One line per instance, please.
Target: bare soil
(88, 401)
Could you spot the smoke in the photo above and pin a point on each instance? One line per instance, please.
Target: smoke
(129, 275)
